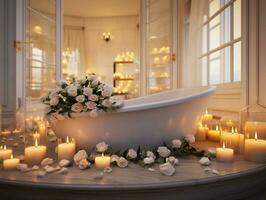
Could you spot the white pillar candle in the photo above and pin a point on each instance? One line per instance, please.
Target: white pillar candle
(66, 150)
(231, 140)
(206, 118)
(5, 153)
(102, 161)
(224, 154)
(202, 132)
(214, 135)
(11, 163)
(35, 154)
(255, 149)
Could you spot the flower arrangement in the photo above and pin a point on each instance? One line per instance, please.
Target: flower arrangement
(84, 95)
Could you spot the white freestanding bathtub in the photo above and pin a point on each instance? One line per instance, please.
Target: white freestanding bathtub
(146, 121)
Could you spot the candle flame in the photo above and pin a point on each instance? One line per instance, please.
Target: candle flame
(11, 156)
(232, 130)
(36, 142)
(4, 147)
(223, 145)
(256, 135)
(217, 128)
(235, 130)
(102, 154)
(206, 112)
(1, 147)
(67, 140)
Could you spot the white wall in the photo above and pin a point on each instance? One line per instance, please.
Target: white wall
(100, 54)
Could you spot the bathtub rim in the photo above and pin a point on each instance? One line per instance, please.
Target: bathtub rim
(163, 103)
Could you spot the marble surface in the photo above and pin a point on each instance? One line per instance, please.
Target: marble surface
(188, 173)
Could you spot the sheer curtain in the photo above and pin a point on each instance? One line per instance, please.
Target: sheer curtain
(74, 46)
(192, 71)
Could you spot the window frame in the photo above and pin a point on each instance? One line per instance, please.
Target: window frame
(232, 41)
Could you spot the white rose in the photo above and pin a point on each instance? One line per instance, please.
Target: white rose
(91, 105)
(101, 147)
(114, 158)
(93, 97)
(163, 151)
(171, 159)
(150, 154)
(82, 81)
(176, 143)
(107, 103)
(95, 82)
(53, 93)
(148, 160)
(77, 107)
(118, 103)
(80, 98)
(94, 113)
(72, 91)
(62, 82)
(107, 91)
(132, 154)
(92, 77)
(122, 162)
(54, 101)
(87, 91)
(190, 138)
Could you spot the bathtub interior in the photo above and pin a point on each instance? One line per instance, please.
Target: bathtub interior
(172, 95)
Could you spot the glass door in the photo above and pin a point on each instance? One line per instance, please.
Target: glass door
(40, 52)
(159, 45)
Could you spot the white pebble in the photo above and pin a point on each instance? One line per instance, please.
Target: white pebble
(214, 171)
(151, 169)
(80, 155)
(64, 163)
(35, 167)
(47, 161)
(63, 170)
(167, 169)
(50, 169)
(205, 161)
(23, 167)
(207, 169)
(83, 164)
(107, 170)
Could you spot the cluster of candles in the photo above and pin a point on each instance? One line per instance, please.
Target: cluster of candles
(233, 141)
(36, 153)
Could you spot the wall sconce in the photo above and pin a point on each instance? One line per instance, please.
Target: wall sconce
(107, 37)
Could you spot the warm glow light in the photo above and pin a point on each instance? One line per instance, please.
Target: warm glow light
(37, 29)
(217, 128)
(232, 130)
(256, 135)
(206, 112)
(36, 142)
(102, 154)
(11, 156)
(67, 141)
(4, 147)
(223, 145)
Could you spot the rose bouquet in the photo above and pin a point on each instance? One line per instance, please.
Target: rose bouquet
(84, 95)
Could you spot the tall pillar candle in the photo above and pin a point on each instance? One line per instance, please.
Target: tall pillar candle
(214, 135)
(202, 132)
(5, 153)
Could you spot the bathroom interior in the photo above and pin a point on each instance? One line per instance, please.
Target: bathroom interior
(179, 68)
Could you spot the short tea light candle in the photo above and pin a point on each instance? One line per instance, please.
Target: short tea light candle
(5, 153)
(5, 132)
(206, 118)
(15, 131)
(66, 150)
(232, 139)
(202, 132)
(35, 154)
(214, 135)
(255, 149)
(224, 154)
(11, 163)
(102, 161)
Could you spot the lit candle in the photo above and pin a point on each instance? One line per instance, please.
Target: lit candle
(66, 150)
(41, 128)
(231, 140)
(35, 154)
(214, 135)
(102, 161)
(255, 149)
(5, 153)
(6, 132)
(202, 132)
(36, 136)
(224, 154)
(206, 118)
(259, 127)
(11, 163)
(16, 131)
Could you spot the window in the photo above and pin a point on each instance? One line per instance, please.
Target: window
(220, 54)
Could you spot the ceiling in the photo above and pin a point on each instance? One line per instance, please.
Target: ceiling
(101, 8)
